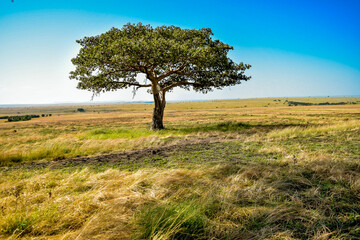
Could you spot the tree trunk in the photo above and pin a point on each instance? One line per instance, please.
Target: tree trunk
(158, 114)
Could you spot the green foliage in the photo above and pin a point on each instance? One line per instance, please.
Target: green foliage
(168, 56)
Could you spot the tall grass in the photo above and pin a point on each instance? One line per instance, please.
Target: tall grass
(310, 131)
(185, 220)
(293, 173)
(252, 199)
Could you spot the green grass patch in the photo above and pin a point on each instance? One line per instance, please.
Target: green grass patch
(17, 224)
(186, 220)
(101, 134)
(221, 127)
(135, 133)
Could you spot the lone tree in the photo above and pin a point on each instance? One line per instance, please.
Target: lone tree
(167, 56)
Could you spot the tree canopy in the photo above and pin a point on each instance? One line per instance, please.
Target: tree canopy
(168, 56)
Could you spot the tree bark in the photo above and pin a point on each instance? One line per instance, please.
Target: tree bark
(158, 114)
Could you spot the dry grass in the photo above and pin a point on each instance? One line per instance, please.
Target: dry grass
(292, 132)
(292, 173)
(75, 134)
(256, 201)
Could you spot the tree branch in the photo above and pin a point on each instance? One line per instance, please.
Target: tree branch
(189, 73)
(132, 84)
(165, 89)
(182, 67)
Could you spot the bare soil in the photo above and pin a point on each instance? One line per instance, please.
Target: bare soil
(122, 158)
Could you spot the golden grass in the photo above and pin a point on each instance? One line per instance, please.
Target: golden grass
(85, 205)
(292, 132)
(82, 204)
(54, 201)
(289, 168)
(127, 126)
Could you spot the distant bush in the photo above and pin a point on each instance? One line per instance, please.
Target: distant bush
(21, 118)
(293, 103)
(327, 103)
(81, 110)
(4, 117)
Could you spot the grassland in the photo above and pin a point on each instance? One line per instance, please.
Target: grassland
(235, 169)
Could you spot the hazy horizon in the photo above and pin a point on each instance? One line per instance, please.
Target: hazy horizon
(143, 101)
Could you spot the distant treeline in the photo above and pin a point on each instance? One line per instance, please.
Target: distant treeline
(23, 117)
(293, 103)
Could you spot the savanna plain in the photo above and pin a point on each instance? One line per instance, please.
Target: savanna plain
(234, 169)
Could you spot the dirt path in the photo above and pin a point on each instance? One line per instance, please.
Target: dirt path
(122, 158)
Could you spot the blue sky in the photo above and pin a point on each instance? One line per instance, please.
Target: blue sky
(296, 48)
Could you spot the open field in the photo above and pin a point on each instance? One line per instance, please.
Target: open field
(234, 169)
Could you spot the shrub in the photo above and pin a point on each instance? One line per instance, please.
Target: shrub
(19, 118)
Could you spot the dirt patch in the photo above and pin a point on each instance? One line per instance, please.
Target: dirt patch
(122, 158)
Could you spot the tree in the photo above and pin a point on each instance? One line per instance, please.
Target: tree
(167, 56)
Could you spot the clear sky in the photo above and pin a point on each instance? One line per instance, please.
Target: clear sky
(296, 48)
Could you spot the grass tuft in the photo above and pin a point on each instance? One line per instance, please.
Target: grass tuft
(17, 225)
(185, 220)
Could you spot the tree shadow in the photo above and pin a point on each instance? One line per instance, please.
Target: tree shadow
(233, 127)
(222, 127)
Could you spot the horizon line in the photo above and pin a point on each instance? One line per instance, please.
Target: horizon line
(14, 105)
